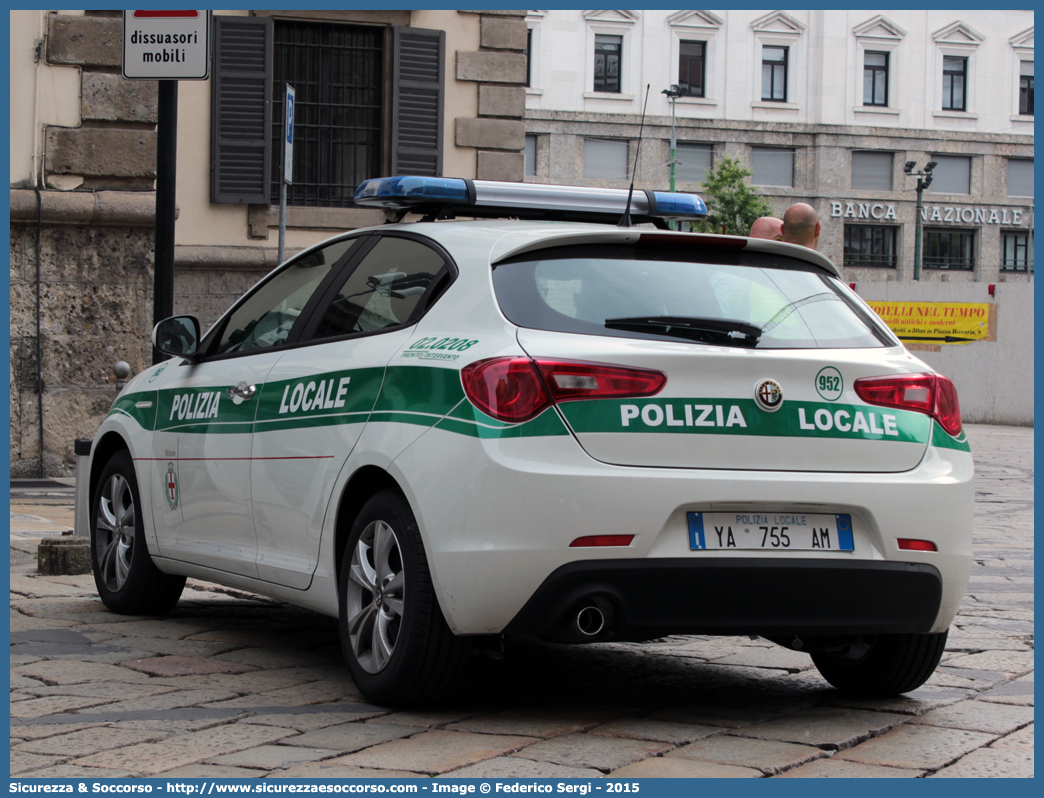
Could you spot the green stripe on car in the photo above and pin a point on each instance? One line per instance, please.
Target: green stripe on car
(945, 440)
(744, 417)
(545, 425)
(433, 397)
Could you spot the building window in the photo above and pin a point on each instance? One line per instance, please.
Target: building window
(337, 73)
(1016, 251)
(690, 68)
(608, 50)
(875, 78)
(605, 159)
(352, 120)
(955, 83)
(1020, 177)
(872, 170)
(772, 166)
(774, 74)
(528, 50)
(1026, 88)
(952, 175)
(952, 250)
(530, 155)
(871, 245)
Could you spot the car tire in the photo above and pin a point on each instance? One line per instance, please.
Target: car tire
(395, 639)
(883, 665)
(128, 581)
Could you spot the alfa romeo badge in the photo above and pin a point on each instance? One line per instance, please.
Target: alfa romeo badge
(768, 395)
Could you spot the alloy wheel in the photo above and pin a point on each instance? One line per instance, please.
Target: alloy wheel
(376, 590)
(116, 523)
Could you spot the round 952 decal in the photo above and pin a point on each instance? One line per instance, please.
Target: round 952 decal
(829, 383)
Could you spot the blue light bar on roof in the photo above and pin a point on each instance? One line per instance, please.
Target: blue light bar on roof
(678, 206)
(484, 197)
(406, 192)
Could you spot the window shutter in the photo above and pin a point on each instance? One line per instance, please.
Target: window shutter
(241, 110)
(1020, 178)
(952, 175)
(605, 159)
(772, 167)
(872, 170)
(694, 161)
(418, 78)
(530, 155)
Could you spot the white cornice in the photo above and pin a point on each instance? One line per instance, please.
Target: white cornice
(777, 22)
(603, 15)
(879, 27)
(695, 19)
(958, 33)
(1024, 39)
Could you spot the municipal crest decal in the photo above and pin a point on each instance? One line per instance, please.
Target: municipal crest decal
(173, 495)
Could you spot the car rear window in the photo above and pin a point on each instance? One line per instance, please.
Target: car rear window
(702, 294)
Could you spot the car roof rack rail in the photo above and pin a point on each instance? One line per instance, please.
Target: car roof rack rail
(448, 197)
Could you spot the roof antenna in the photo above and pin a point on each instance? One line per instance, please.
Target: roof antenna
(626, 220)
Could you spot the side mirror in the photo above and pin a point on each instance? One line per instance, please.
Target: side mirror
(178, 336)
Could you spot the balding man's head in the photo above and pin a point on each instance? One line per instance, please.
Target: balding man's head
(801, 225)
(767, 227)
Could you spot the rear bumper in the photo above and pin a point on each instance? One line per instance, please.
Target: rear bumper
(645, 599)
(497, 517)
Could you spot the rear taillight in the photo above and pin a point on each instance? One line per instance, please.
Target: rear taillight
(506, 388)
(947, 408)
(932, 394)
(569, 380)
(516, 389)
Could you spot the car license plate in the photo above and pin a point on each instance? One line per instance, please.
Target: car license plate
(770, 531)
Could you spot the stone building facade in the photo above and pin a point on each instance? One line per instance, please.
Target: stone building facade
(824, 107)
(83, 169)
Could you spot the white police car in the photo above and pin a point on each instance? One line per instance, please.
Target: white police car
(572, 430)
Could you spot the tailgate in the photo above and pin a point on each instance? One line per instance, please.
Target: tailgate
(716, 409)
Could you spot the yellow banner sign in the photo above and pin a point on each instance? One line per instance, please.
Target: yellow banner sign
(936, 322)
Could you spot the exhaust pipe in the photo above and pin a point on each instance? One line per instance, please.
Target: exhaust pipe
(594, 619)
(587, 618)
(590, 621)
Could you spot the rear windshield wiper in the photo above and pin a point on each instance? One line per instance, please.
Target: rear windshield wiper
(692, 327)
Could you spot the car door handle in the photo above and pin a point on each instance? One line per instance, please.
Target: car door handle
(241, 392)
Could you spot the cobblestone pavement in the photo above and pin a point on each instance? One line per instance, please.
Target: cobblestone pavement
(235, 685)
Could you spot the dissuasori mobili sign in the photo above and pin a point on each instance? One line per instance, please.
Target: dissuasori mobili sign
(166, 45)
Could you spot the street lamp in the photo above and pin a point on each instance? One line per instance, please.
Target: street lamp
(673, 93)
(924, 179)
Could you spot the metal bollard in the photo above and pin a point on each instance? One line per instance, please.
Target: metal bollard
(81, 515)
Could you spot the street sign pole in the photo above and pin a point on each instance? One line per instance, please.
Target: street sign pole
(166, 205)
(165, 46)
(282, 221)
(288, 164)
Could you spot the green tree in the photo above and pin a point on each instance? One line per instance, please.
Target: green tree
(732, 206)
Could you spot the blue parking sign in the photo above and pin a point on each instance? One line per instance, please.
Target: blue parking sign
(288, 149)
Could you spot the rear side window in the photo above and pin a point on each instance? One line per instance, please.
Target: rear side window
(730, 298)
(383, 290)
